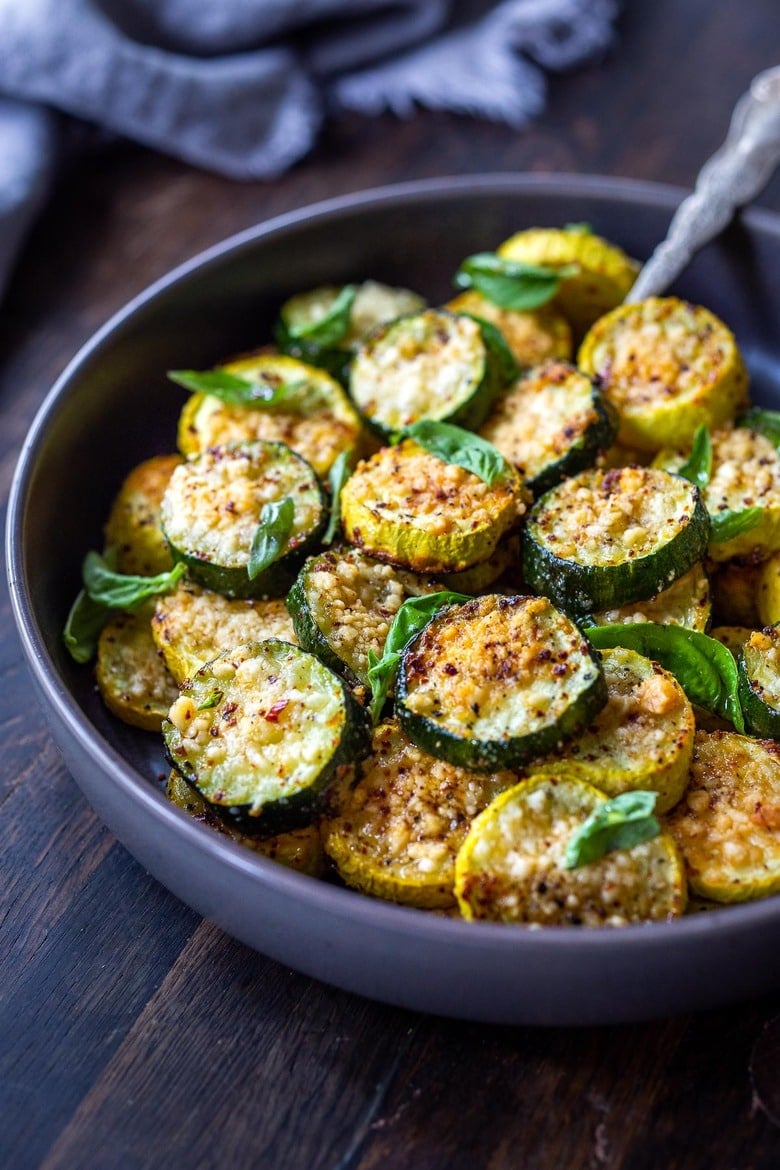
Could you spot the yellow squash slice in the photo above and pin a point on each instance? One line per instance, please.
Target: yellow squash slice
(132, 678)
(133, 525)
(533, 337)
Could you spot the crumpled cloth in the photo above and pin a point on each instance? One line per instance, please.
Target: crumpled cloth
(241, 87)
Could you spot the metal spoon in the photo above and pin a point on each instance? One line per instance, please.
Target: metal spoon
(734, 175)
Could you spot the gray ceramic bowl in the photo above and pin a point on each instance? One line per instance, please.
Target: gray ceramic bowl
(113, 407)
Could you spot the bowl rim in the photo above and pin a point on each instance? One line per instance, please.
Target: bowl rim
(339, 902)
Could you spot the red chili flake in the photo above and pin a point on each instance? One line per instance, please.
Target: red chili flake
(273, 713)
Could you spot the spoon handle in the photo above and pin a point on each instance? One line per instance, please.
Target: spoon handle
(734, 175)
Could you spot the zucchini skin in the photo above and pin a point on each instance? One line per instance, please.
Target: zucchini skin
(590, 588)
(762, 715)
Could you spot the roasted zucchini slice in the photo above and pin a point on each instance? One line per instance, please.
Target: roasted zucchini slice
(685, 603)
(312, 415)
(533, 337)
(667, 367)
(496, 681)
(605, 538)
(300, 849)
(759, 682)
(552, 423)
(727, 824)
(605, 275)
(511, 867)
(216, 502)
(192, 625)
(261, 730)
(642, 738)
(433, 364)
(299, 329)
(395, 833)
(407, 506)
(133, 526)
(131, 677)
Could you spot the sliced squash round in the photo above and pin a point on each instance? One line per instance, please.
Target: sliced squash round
(430, 365)
(533, 337)
(131, 677)
(407, 506)
(727, 825)
(261, 730)
(551, 423)
(667, 367)
(395, 833)
(216, 502)
(192, 625)
(133, 525)
(496, 681)
(606, 538)
(686, 603)
(642, 738)
(306, 409)
(758, 663)
(511, 867)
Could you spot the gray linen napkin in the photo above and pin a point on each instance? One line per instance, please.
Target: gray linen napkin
(241, 87)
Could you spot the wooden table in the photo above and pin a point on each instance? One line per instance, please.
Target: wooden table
(136, 1035)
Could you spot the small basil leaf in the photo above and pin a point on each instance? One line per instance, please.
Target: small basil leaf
(233, 390)
(620, 823)
(704, 668)
(511, 284)
(698, 466)
(412, 617)
(124, 591)
(82, 628)
(728, 524)
(339, 473)
(578, 229)
(764, 422)
(211, 700)
(332, 327)
(453, 444)
(276, 524)
(497, 347)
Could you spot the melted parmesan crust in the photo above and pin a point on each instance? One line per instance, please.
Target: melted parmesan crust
(133, 525)
(727, 825)
(511, 866)
(424, 366)
(131, 677)
(497, 668)
(395, 834)
(668, 367)
(609, 517)
(533, 337)
(192, 625)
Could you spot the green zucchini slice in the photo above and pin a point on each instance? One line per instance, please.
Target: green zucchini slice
(759, 682)
(215, 502)
(261, 730)
(511, 867)
(642, 738)
(306, 409)
(300, 849)
(132, 680)
(192, 625)
(133, 526)
(551, 424)
(407, 506)
(433, 364)
(667, 367)
(533, 337)
(301, 319)
(496, 681)
(395, 833)
(727, 825)
(606, 538)
(685, 603)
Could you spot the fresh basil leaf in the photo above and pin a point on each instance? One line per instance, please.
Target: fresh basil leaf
(730, 523)
(233, 390)
(704, 668)
(413, 615)
(497, 347)
(276, 524)
(578, 229)
(121, 590)
(512, 284)
(698, 466)
(332, 327)
(620, 823)
(339, 473)
(82, 628)
(453, 444)
(764, 422)
(212, 700)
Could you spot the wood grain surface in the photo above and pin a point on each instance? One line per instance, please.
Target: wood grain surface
(134, 1035)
